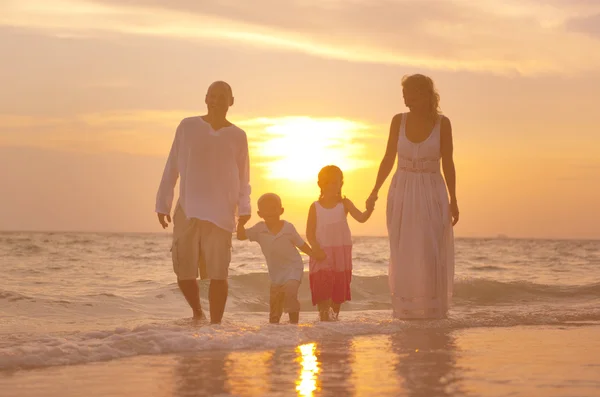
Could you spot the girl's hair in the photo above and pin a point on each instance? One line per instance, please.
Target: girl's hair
(425, 85)
(326, 175)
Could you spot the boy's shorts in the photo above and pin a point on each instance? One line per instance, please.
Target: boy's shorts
(199, 248)
(278, 302)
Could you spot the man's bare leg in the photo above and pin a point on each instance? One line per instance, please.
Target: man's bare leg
(217, 297)
(191, 292)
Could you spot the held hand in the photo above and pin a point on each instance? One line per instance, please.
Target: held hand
(319, 254)
(370, 204)
(161, 219)
(454, 212)
(370, 207)
(242, 220)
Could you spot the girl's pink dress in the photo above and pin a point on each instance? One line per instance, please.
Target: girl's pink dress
(330, 278)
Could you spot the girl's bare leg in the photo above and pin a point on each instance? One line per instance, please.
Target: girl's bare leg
(324, 307)
(336, 309)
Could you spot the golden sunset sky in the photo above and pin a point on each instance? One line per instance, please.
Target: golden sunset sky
(92, 91)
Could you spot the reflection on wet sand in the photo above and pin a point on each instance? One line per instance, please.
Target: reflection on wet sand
(307, 382)
(415, 362)
(200, 375)
(247, 373)
(426, 363)
(336, 367)
(374, 366)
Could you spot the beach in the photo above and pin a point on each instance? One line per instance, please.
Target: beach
(515, 361)
(100, 315)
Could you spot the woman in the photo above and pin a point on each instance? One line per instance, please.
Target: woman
(419, 215)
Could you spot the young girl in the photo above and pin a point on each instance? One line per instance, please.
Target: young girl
(327, 230)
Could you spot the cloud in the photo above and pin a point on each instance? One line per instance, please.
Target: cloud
(279, 145)
(481, 36)
(142, 132)
(588, 24)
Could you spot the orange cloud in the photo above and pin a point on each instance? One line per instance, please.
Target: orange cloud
(462, 35)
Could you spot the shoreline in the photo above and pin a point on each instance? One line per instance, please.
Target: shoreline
(521, 360)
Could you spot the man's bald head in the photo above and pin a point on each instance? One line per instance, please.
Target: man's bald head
(221, 85)
(219, 97)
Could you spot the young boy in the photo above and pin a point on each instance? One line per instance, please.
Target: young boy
(278, 240)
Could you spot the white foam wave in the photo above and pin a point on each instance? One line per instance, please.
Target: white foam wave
(243, 331)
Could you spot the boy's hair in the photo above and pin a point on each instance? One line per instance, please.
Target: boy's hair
(269, 197)
(326, 174)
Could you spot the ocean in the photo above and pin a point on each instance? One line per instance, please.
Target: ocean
(100, 306)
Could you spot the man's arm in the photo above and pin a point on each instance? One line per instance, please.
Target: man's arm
(243, 163)
(241, 232)
(166, 190)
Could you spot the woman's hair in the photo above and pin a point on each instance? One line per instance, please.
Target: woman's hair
(326, 175)
(425, 85)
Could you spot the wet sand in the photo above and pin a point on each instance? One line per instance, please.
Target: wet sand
(515, 361)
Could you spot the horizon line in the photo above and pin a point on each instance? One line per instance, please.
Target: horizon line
(499, 236)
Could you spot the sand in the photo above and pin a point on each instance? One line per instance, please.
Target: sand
(516, 361)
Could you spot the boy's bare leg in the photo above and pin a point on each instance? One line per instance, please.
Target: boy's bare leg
(191, 292)
(294, 317)
(217, 298)
(276, 301)
(291, 300)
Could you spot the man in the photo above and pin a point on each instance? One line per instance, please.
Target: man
(211, 156)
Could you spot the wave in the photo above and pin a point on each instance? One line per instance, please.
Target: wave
(243, 331)
(486, 268)
(485, 291)
(12, 296)
(26, 249)
(372, 292)
(250, 293)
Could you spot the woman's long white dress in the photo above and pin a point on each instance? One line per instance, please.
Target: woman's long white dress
(421, 269)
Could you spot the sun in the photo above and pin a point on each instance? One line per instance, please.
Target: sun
(296, 148)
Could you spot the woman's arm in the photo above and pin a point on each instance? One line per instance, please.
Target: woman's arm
(447, 151)
(388, 159)
(357, 214)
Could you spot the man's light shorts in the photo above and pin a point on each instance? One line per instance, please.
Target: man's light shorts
(199, 248)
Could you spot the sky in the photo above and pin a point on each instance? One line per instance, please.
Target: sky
(92, 92)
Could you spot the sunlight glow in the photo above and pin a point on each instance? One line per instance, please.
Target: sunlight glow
(307, 383)
(296, 148)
